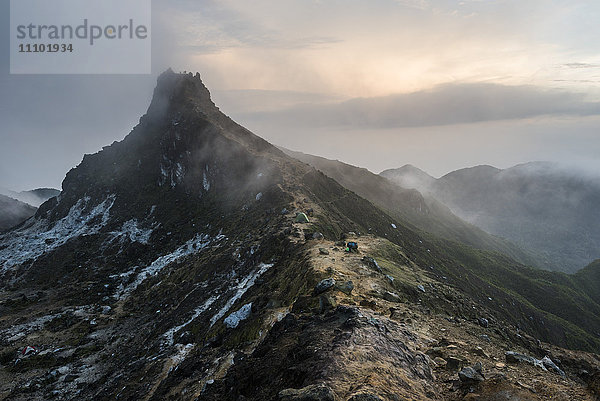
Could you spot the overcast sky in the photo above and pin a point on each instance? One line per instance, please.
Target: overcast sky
(439, 84)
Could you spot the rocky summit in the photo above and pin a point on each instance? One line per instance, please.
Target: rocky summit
(195, 261)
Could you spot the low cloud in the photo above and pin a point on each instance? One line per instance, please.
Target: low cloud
(581, 65)
(444, 105)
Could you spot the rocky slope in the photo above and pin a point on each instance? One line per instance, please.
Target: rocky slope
(171, 266)
(13, 212)
(540, 206)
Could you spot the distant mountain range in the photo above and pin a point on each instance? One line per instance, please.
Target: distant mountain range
(420, 209)
(34, 197)
(544, 207)
(16, 207)
(13, 212)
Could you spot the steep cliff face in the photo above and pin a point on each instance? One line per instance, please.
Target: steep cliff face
(172, 266)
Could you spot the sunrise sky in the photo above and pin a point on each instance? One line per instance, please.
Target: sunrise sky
(379, 83)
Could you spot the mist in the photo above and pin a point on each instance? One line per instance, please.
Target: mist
(369, 95)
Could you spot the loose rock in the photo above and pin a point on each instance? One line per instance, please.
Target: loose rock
(369, 261)
(324, 285)
(550, 365)
(346, 287)
(391, 297)
(469, 376)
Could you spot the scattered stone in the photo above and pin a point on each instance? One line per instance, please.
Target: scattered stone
(390, 278)
(391, 297)
(284, 211)
(324, 285)
(323, 251)
(500, 365)
(436, 352)
(440, 362)
(421, 288)
(485, 338)
(550, 365)
(315, 392)
(470, 376)
(480, 351)
(318, 236)
(346, 287)
(526, 387)
(369, 261)
(454, 363)
(515, 357)
(483, 322)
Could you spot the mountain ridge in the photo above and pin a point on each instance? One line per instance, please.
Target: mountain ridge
(541, 206)
(172, 262)
(13, 212)
(417, 208)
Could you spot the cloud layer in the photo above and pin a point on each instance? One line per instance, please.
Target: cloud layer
(443, 105)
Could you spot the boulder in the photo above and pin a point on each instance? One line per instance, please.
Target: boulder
(470, 376)
(323, 251)
(551, 366)
(315, 392)
(454, 363)
(515, 357)
(369, 261)
(318, 236)
(346, 287)
(439, 362)
(324, 285)
(391, 297)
